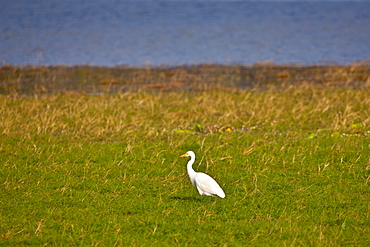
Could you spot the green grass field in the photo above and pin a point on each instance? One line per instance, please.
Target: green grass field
(101, 167)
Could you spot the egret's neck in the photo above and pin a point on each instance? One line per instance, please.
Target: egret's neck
(190, 167)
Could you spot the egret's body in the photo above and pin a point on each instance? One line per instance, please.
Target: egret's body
(205, 185)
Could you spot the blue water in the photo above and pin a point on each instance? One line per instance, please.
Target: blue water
(116, 32)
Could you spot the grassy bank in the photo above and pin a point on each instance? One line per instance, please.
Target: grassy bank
(90, 156)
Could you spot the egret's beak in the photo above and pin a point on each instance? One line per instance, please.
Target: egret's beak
(184, 155)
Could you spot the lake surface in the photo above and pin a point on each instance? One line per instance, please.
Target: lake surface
(135, 33)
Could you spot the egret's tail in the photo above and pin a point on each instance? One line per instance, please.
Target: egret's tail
(221, 194)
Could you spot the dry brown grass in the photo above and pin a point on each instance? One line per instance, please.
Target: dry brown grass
(125, 114)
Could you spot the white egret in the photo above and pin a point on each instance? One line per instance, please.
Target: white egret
(206, 185)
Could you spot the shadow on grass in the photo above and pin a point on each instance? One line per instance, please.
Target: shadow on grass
(186, 198)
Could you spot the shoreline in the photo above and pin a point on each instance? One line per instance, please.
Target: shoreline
(90, 79)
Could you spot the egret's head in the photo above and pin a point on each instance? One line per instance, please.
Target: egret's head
(188, 154)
